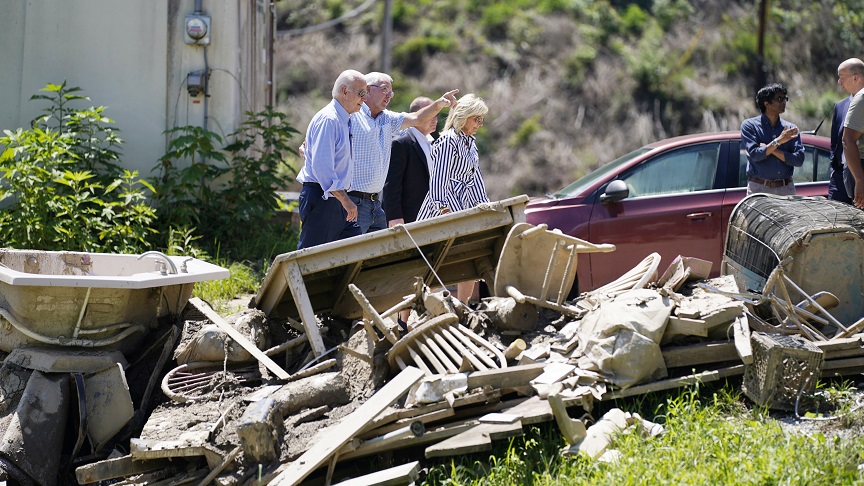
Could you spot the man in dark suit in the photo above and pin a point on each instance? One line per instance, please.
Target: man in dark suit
(410, 165)
(836, 188)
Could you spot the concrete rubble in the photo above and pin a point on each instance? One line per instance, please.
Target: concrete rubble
(254, 399)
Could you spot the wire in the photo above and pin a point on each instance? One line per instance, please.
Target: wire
(239, 84)
(422, 255)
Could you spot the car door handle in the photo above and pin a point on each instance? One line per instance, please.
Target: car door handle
(704, 215)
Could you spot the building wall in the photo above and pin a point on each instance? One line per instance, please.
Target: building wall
(131, 57)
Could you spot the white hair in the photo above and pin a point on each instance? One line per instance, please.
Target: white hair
(347, 78)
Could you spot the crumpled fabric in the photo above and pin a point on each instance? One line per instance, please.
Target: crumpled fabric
(211, 343)
(620, 339)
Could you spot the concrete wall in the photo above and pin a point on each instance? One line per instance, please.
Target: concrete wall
(131, 56)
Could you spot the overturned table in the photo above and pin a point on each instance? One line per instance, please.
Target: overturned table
(460, 246)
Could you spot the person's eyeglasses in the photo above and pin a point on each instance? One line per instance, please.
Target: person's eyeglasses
(479, 119)
(387, 92)
(362, 93)
(781, 99)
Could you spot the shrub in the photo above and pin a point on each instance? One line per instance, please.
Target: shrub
(409, 55)
(224, 192)
(63, 186)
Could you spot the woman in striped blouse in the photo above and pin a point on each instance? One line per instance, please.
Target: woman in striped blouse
(456, 182)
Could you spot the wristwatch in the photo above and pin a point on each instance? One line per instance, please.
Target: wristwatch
(774, 143)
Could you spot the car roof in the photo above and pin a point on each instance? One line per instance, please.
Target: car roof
(807, 138)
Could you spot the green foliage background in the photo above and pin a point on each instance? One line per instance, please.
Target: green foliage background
(572, 84)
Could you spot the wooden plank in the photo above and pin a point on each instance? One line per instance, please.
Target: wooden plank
(839, 344)
(432, 435)
(533, 410)
(340, 434)
(141, 449)
(741, 332)
(395, 476)
(697, 354)
(511, 377)
(425, 419)
(703, 377)
(476, 439)
(304, 306)
(117, 468)
(843, 363)
(683, 326)
(239, 338)
(273, 293)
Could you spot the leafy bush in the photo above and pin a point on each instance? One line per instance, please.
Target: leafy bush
(526, 130)
(63, 186)
(408, 56)
(224, 192)
(634, 19)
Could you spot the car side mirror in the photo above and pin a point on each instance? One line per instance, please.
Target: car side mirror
(615, 191)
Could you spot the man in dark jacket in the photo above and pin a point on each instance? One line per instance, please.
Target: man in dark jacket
(410, 165)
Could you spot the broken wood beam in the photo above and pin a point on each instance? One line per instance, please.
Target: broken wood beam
(698, 354)
(238, 337)
(475, 439)
(702, 377)
(339, 434)
(395, 476)
(741, 333)
(229, 458)
(118, 467)
(511, 377)
(372, 314)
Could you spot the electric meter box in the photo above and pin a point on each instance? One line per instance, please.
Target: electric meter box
(196, 29)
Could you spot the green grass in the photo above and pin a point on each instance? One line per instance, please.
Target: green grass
(244, 280)
(709, 438)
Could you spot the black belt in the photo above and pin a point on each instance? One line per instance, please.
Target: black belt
(372, 196)
(767, 183)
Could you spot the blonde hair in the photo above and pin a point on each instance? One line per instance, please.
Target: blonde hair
(467, 106)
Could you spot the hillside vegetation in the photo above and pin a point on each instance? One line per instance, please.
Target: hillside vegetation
(572, 84)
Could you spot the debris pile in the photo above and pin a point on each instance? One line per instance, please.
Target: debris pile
(261, 397)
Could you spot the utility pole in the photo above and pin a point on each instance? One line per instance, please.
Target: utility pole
(386, 32)
(760, 45)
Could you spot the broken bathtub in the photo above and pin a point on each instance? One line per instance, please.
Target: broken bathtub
(96, 300)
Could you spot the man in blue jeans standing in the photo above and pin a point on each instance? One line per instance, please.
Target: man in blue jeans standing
(372, 131)
(326, 212)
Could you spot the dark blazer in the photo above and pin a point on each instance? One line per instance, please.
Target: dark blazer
(407, 179)
(836, 189)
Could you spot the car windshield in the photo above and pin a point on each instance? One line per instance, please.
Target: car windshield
(580, 185)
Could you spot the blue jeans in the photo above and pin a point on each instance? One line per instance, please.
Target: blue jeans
(323, 220)
(370, 216)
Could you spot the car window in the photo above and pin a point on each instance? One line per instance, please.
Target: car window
(576, 188)
(688, 169)
(817, 166)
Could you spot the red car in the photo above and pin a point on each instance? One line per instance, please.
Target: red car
(673, 197)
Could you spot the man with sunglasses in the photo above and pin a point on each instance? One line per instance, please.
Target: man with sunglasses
(326, 212)
(773, 145)
(373, 128)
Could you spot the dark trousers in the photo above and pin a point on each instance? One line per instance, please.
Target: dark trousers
(322, 220)
(837, 188)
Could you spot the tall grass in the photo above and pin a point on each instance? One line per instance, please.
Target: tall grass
(709, 439)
